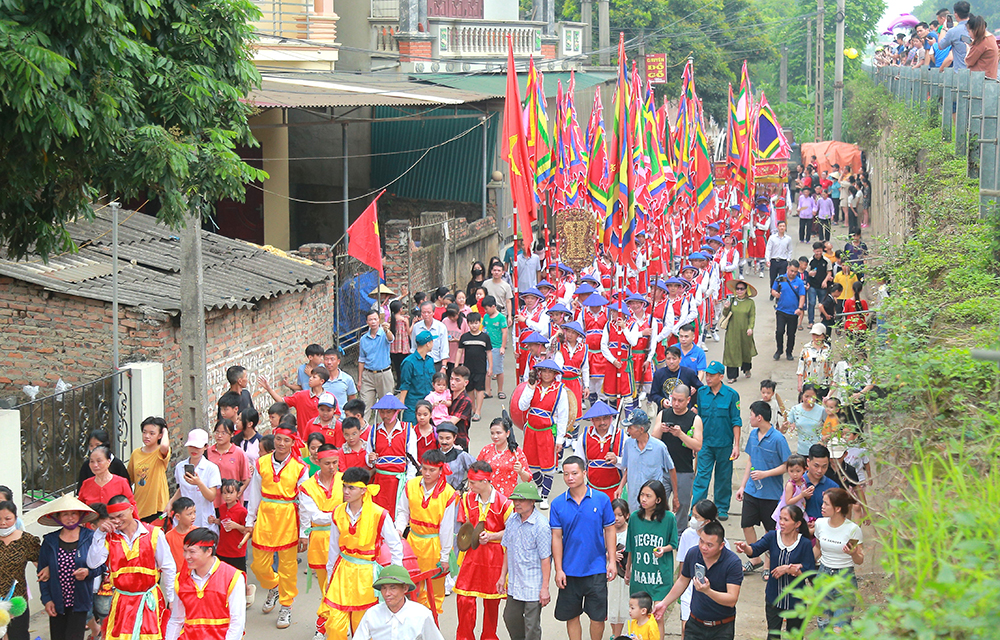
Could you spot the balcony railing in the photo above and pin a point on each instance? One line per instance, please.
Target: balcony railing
(463, 38)
(312, 20)
(383, 35)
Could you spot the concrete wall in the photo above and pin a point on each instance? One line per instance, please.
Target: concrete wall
(274, 147)
(889, 217)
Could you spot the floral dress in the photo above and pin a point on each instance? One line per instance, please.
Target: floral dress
(504, 478)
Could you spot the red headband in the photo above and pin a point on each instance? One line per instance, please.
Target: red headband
(119, 507)
(202, 543)
(329, 453)
(478, 475)
(443, 466)
(297, 443)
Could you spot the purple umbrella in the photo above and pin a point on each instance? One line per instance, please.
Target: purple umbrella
(905, 20)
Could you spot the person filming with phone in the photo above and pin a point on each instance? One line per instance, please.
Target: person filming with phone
(717, 575)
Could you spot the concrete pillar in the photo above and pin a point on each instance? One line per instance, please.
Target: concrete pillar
(193, 359)
(145, 395)
(274, 149)
(604, 31)
(10, 456)
(587, 16)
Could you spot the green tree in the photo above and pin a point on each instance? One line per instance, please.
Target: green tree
(119, 98)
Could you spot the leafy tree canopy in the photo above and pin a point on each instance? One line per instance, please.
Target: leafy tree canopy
(114, 98)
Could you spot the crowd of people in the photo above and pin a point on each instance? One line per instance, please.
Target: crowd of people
(372, 476)
(955, 39)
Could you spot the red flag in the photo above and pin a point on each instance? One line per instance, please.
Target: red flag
(363, 238)
(515, 150)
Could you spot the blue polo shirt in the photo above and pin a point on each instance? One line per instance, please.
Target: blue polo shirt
(814, 505)
(373, 352)
(725, 571)
(582, 525)
(341, 387)
(788, 293)
(719, 412)
(694, 359)
(765, 454)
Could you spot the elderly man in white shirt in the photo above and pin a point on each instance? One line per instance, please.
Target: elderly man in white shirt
(778, 252)
(396, 617)
(439, 353)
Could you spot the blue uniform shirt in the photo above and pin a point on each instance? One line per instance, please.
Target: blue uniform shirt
(814, 505)
(582, 525)
(788, 293)
(373, 352)
(765, 454)
(719, 412)
(694, 359)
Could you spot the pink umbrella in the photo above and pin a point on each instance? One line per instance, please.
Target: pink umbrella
(905, 20)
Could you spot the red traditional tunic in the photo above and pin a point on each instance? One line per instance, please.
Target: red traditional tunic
(593, 324)
(480, 570)
(390, 465)
(727, 257)
(618, 381)
(134, 575)
(540, 429)
(206, 610)
(523, 331)
(642, 371)
(607, 271)
(757, 242)
(602, 475)
(425, 443)
(572, 364)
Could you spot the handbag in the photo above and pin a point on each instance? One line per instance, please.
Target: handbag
(725, 319)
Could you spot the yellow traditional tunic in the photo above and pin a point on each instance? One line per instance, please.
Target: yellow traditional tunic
(350, 587)
(277, 525)
(319, 519)
(425, 514)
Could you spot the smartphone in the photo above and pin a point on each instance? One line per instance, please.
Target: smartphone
(853, 542)
(951, 23)
(699, 571)
(189, 469)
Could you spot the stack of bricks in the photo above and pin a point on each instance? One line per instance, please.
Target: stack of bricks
(321, 254)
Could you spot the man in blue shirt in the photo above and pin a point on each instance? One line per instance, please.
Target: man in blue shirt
(340, 384)
(644, 459)
(415, 375)
(673, 374)
(762, 484)
(790, 292)
(374, 366)
(719, 408)
(583, 524)
(527, 541)
(817, 481)
(692, 356)
(958, 37)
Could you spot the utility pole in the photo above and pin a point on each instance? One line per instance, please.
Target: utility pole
(587, 16)
(809, 50)
(604, 32)
(820, 59)
(642, 51)
(838, 73)
(783, 95)
(193, 357)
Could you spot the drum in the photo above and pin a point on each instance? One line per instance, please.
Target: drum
(518, 417)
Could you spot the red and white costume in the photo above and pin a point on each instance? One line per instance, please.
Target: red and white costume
(593, 324)
(576, 372)
(548, 414)
(209, 611)
(594, 448)
(617, 344)
(481, 567)
(536, 320)
(729, 264)
(396, 452)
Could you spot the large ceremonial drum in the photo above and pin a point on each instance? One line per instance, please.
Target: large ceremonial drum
(409, 558)
(519, 417)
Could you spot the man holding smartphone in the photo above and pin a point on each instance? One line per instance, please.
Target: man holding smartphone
(717, 575)
(680, 428)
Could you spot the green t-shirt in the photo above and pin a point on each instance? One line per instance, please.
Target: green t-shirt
(494, 328)
(653, 575)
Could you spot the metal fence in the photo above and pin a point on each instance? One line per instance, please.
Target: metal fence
(970, 109)
(353, 281)
(55, 431)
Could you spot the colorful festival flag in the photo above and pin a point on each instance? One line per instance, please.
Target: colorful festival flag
(515, 151)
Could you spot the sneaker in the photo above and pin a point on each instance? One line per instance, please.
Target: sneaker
(715, 335)
(544, 504)
(777, 355)
(250, 596)
(319, 636)
(789, 357)
(271, 601)
(747, 374)
(284, 617)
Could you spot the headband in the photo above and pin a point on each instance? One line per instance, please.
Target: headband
(119, 507)
(297, 443)
(443, 466)
(371, 490)
(329, 453)
(201, 543)
(478, 475)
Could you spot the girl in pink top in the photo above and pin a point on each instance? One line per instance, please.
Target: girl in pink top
(439, 397)
(230, 459)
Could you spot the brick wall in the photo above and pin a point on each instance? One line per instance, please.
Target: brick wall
(45, 336)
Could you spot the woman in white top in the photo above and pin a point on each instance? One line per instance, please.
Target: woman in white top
(807, 418)
(838, 551)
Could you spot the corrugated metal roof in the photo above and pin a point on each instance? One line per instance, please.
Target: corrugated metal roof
(495, 85)
(338, 89)
(236, 273)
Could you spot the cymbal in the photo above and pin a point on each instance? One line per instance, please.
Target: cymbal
(479, 528)
(466, 537)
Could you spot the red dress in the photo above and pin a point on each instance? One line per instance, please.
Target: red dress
(540, 429)
(641, 369)
(202, 607)
(601, 475)
(390, 465)
(857, 321)
(425, 443)
(133, 574)
(481, 567)
(593, 324)
(618, 380)
(503, 478)
(572, 374)
(91, 492)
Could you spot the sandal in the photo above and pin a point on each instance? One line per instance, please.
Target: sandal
(475, 417)
(501, 395)
(487, 395)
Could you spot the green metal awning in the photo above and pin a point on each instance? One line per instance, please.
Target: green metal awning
(496, 84)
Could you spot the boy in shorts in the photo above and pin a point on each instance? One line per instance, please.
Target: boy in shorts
(495, 325)
(478, 358)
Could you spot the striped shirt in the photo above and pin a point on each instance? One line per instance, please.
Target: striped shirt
(528, 542)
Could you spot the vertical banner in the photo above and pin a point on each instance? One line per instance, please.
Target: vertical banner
(656, 68)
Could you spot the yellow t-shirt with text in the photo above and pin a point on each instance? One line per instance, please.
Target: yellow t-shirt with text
(149, 477)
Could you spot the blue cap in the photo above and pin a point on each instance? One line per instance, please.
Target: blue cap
(533, 292)
(715, 239)
(707, 248)
(584, 289)
(599, 409)
(595, 300)
(389, 402)
(689, 267)
(697, 255)
(534, 338)
(544, 283)
(712, 225)
(635, 297)
(660, 284)
(565, 267)
(559, 308)
(618, 306)
(548, 363)
(424, 337)
(639, 417)
(575, 326)
(715, 367)
(590, 278)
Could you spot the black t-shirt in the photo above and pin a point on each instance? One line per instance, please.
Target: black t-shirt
(681, 454)
(476, 347)
(816, 281)
(830, 307)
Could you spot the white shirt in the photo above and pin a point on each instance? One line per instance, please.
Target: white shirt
(389, 536)
(212, 477)
(446, 534)
(440, 349)
(832, 541)
(309, 511)
(673, 323)
(631, 333)
(237, 608)
(778, 248)
(253, 493)
(412, 622)
(98, 555)
(560, 415)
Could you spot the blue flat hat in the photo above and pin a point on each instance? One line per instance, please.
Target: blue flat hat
(544, 283)
(559, 308)
(681, 281)
(635, 297)
(533, 292)
(689, 267)
(618, 306)
(707, 248)
(389, 402)
(712, 225)
(660, 284)
(599, 409)
(565, 267)
(548, 363)
(535, 338)
(697, 255)
(590, 278)
(575, 326)
(584, 289)
(715, 239)
(595, 300)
